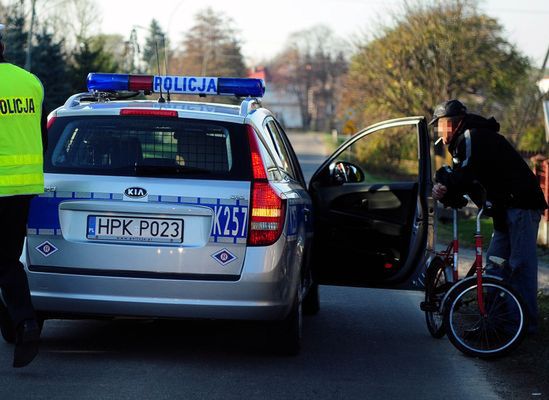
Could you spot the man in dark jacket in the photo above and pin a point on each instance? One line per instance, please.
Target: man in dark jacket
(481, 155)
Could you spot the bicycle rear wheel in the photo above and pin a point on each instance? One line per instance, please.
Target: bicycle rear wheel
(494, 334)
(436, 285)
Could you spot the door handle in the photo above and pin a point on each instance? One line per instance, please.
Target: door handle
(306, 213)
(364, 203)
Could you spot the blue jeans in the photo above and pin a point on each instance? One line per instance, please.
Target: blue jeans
(518, 246)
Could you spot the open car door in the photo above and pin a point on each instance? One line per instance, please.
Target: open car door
(373, 210)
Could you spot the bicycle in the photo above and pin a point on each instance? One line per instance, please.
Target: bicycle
(482, 315)
(439, 277)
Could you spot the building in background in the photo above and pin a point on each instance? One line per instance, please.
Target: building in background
(282, 102)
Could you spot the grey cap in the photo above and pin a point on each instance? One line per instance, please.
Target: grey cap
(450, 108)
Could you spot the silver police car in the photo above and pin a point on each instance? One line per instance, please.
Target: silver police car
(172, 209)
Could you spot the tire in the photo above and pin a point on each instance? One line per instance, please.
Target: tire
(311, 302)
(7, 329)
(291, 329)
(435, 288)
(493, 335)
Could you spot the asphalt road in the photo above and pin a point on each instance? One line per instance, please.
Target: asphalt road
(364, 344)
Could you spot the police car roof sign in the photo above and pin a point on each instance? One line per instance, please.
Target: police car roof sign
(240, 87)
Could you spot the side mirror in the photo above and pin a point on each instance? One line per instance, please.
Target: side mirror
(345, 172)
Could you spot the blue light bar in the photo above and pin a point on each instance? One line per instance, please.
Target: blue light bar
(107, 82)
(240, 87)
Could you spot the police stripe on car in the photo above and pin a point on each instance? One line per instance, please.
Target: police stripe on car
(230, 223)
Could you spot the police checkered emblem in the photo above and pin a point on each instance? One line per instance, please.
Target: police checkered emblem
(224, 257)
(46, 249)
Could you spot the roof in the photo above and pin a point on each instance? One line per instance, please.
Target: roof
(80, 104)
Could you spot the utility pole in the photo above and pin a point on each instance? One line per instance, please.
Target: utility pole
(29, 37)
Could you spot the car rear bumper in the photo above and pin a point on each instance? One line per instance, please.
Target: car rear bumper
(263, 291)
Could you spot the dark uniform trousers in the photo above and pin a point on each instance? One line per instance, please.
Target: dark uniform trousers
(14, 212)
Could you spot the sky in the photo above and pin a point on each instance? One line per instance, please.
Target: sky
(265, 25)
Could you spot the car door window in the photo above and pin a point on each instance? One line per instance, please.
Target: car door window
(280, 149)
(292, 157)
(386, 156)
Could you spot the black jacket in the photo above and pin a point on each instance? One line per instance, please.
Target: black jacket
(480, 154)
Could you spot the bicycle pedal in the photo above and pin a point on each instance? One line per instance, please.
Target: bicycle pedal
(499, 261)
(426, 306)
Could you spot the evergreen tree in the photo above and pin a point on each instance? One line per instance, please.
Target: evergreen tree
(90, 57)
(211, 47)
(15, 36)
(49, 65)
(156, 43)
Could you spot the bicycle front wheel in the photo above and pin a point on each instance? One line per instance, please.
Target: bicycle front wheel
(498, 331)
(436, 285)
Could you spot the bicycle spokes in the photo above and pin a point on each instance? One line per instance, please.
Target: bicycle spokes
(488, 333)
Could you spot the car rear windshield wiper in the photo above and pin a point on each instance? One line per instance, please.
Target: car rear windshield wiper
(155, 170)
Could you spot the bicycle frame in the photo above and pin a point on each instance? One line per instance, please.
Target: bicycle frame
(451, 254)
(478, 264)
(452, 250)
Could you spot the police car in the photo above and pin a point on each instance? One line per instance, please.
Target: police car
(172, 209)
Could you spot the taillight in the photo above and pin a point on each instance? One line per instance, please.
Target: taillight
(268, 209)
(51, 120)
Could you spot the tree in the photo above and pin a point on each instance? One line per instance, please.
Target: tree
(211, 48)
(49, 64)
(74, 20)
(114, 46)
(156, 50)
(15, 35)
(90, 57)
(431, 53)
(310, 67)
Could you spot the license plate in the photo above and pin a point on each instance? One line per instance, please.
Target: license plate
(163, 230)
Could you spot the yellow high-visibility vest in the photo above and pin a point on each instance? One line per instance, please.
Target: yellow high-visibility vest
(21, 162)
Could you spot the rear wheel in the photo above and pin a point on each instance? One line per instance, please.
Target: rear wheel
(311, 301)
(436, 285)
(291, 329)
(496, 333)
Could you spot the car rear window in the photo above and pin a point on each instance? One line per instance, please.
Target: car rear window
(148, 146)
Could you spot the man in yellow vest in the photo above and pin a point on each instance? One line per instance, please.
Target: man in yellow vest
(22, 132)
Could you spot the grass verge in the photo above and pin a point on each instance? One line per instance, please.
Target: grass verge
(466, 232)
